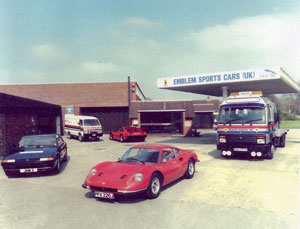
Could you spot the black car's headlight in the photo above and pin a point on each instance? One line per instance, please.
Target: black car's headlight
(47, 159)
(9, 161)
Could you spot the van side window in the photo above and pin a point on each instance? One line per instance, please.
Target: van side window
(80, 123)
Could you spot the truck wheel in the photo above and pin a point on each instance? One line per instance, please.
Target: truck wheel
(271, 151)
(282, 141)
(80, 137)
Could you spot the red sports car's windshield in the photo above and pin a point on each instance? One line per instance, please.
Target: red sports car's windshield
(141, 155)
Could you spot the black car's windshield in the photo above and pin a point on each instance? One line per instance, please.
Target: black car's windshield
(37, 141)
(141, 155)
(242, 115)
(91, 122)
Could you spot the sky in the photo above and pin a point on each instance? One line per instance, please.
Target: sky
(56, 41)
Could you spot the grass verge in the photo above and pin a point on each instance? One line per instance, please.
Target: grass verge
(290, 124)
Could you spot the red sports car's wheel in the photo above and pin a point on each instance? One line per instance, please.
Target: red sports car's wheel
(111, 137)
(154, 187)
(121, 138)
(190, 170)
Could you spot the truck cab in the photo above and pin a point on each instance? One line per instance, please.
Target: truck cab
(249, 123)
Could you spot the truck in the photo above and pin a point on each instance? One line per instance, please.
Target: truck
(249, 123)
(82, 127)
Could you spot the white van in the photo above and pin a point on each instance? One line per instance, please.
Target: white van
(83, 127)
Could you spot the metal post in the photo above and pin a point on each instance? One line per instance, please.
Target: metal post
(129, 100)
(225, 92)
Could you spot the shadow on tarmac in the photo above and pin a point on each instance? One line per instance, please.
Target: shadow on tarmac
(131, 199)
(207, 138)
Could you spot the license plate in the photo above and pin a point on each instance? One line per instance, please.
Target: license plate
(105, 195)
(241, 149)
(32, 170)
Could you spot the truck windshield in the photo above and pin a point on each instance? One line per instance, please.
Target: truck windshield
(242, 115)
(91, 122)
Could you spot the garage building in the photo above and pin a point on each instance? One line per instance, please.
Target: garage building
(22, 116)
(118, 104)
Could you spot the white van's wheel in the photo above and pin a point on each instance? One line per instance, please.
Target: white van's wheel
(80, 137)
(69, 135)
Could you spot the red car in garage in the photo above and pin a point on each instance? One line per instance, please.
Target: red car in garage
(128, 133)
(143, 168)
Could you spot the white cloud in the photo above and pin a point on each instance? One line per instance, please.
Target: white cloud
(250, 34)
(252, 42)
(99, 67)
(49, 52)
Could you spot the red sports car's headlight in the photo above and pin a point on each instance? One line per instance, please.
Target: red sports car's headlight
(93, 171)
(138, 177)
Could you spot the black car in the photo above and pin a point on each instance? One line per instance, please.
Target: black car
(36, 153)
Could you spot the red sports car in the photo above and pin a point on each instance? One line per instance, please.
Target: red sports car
(143, 168)
(128, 133)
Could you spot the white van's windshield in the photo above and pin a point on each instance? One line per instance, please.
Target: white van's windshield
(242, 115)
(91, 122)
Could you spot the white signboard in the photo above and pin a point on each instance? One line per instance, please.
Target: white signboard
(221, 77)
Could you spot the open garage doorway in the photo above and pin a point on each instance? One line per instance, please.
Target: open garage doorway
(162, 121)
(203, 120)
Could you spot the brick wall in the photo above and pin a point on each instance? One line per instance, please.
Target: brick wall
(2, 134)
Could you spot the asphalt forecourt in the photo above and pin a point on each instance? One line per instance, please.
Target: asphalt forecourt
(237, 192)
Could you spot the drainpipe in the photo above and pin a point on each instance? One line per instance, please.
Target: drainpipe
(129, 100)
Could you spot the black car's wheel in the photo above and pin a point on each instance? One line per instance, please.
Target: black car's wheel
(190, 170)
(57, 167)
(271, 151)
(121, 138)
(80, 137)
(66, 156)
(111, 136)
(154, 187)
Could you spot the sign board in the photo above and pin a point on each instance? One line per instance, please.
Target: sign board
(69, 110)
(220, 78)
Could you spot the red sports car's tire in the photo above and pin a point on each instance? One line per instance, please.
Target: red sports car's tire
(121, 138)
(190, 170)
(154, 187)
(111, 137)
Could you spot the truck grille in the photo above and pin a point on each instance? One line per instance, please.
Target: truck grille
(245, 138)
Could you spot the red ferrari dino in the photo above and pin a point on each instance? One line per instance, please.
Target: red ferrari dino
(128, 133)
(143, 168)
